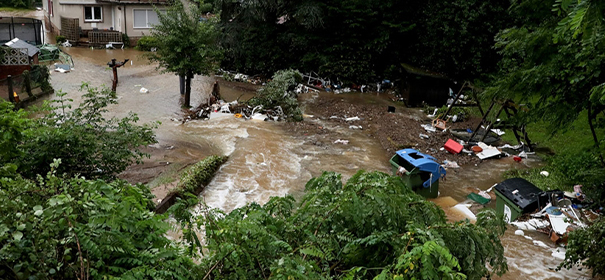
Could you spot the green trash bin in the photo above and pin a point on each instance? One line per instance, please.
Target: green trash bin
(422, 171)
(515, 197)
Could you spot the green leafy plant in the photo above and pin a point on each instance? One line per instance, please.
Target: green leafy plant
(280, 92)
(126, 40)
(198, 175)
(58, 227)
(146, 43)
(60, 39)
(585, 247)
(88, 143)
(372, 226)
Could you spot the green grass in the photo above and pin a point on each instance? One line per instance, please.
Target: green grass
(12, 9)
(570, 160)
(576, 138)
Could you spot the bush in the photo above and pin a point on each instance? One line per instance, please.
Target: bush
(60, 39)
(372, 227)
(198, 175)
(72, 228)
(585, 246)
(146, 43)
(88, 143)
(126, 40)
(279, 92)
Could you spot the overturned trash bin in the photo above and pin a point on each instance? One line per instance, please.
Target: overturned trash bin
(516, 196)
(419, 171)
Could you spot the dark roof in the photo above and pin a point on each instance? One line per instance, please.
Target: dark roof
(19, 44)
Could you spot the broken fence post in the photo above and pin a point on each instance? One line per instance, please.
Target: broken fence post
(11, 98)
(28, 83)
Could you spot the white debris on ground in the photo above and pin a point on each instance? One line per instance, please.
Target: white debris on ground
(339, 141)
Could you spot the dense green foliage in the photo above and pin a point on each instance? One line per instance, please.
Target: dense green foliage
(360, 40)
(21, 4)
(551, 65)
(552, 61)
(185, 45)
(198, 175)
(372, 227)
(57, 227)
(60, 39)
(279, 92)
(87, 143)
(585, 246)
(146, 43)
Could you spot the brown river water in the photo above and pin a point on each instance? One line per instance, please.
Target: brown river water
(265, 159)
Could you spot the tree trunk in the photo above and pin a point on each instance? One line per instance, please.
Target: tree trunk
(594, 133)
(188, 90)
(182, 84)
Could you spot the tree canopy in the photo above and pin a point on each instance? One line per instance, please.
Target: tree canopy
(361, 41)
(185, 43)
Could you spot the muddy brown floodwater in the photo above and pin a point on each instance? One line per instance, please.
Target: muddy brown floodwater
(267, 158)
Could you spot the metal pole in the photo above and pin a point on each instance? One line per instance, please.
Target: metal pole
(13, 25)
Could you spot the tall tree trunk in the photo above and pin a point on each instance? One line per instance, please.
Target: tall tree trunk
(182, 84)
(594, 133)
(188, 90)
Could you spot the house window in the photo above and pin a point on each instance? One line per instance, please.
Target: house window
(93, 13)
(145, 18)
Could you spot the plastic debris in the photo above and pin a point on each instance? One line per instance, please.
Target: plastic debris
(423, 136)
(531, 224)
(355, 127)
(484, 194)
(450, 164)
(143, 90)
(428, 128)
(519, 232)
(62, 68)
(558, 253)
(544, 173)
(498, 131)
(541, 244)
(352, 119)
(507, 146)
(339, 141)
(453, 146)
(488, 151)
(464, 208)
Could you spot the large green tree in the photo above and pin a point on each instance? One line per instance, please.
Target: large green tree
(185, 43)
(371, 227)
(361, 41)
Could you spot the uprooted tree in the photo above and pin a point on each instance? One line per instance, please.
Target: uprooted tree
(185, 44)
(372, 227)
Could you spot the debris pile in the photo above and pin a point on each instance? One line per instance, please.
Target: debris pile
(276, 101)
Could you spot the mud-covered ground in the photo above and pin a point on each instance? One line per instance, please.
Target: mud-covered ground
(394, 131)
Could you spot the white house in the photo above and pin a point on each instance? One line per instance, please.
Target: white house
(105, 20)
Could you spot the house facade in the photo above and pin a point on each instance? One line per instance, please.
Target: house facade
(76, 19)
